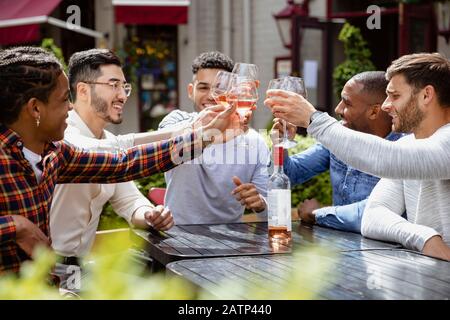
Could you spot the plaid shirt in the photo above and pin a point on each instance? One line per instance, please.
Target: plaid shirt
(21, 194)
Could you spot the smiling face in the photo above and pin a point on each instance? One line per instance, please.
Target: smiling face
(353, 106)
(53, 114)
(402, 105)
(199, 90)
(107, 101)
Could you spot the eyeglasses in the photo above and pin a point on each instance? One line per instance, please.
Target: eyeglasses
(115, 85)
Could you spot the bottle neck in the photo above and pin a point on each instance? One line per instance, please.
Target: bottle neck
(278, 169)
(278, 159)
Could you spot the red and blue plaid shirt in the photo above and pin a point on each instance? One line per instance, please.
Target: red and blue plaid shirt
(21, 194)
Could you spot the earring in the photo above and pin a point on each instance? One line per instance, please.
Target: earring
(38, 121)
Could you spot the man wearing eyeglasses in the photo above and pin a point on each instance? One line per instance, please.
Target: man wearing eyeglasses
(99, 92)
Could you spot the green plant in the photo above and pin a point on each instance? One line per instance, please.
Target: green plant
(49, 45)
(357, 57)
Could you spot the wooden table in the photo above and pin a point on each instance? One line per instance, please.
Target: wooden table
(242, 239)
(367, 274)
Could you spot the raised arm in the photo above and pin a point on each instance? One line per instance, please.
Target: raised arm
(404, 159)
(82, 166)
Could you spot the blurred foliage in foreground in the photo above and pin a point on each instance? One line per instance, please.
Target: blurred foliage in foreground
(318, 187)
(116, 275)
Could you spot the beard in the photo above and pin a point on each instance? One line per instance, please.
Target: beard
(409, 117)
(101, 108)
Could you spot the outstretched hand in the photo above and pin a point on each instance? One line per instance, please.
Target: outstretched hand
(224, 126)
(277, 131)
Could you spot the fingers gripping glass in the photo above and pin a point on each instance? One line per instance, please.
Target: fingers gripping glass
(244, 95)
(291, 84)
(116, 85)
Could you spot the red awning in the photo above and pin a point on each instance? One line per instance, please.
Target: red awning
(19, 19)
(156, 12)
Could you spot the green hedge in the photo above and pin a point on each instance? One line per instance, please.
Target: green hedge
(319, 187)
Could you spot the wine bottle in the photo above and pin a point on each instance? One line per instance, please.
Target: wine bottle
(279, 201)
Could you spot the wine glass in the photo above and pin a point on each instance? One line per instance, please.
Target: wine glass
(246, 70)
(291, 84)
(277, 84)
(221, 86)
(244, 95)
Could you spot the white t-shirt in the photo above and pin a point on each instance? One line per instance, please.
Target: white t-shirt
(33, 159)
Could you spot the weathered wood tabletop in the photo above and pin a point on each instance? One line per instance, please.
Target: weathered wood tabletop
(367, 274)
(243, 239)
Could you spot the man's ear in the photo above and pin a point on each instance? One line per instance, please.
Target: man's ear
(373, 111)
(427, 94)
(83, 91)
(190, 90)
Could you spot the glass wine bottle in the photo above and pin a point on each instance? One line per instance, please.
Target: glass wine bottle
(279, 201)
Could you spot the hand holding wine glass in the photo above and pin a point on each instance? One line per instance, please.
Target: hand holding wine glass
(288, 84)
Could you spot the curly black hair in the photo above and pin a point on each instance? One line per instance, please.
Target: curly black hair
(25, 73)
(212, 60)
(85, 66)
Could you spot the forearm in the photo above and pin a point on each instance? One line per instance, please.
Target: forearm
(422, 159)
(103, 145)
(134, 163)
(138, 218)
(346, 217)
(381, 224)
(162, 134)
(129, 203)
(7, 229)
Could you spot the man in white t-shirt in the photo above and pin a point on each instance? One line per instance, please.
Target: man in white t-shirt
(227, 178)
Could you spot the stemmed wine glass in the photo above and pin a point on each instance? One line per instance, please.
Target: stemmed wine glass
(290, 84)
(246, 70)
(244, 95)
(221, 86)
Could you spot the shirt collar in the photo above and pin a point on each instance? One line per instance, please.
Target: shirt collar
(75, 120)
(9, 138)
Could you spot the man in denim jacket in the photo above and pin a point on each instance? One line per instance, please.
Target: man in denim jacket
(360, 109)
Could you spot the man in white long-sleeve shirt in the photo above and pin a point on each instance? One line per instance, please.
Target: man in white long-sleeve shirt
(100, 91)
(418, 102)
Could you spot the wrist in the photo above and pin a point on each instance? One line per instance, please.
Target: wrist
(204, 137)
(263, 205)
(313, 115)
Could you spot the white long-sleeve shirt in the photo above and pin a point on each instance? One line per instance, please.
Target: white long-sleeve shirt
(76, 208)
(418, 181)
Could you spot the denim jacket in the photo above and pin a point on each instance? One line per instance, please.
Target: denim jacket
(351, 187)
